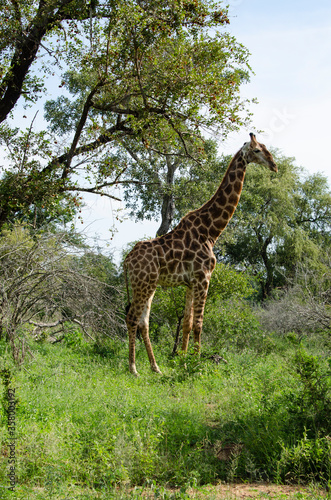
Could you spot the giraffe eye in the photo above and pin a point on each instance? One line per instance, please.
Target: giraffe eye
(257, 150)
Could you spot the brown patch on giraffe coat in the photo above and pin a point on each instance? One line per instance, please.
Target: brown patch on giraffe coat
(240, 174)
(233, 199)
(228, 189)
(191, 217)
(187, 239)
(141, 275)
(144, 261)
(226, 214)
(202, 254)
(232, 176)
(172, 266)
(206, 220)
(188, 255)
(214, 232)
(221, 199)
(178, 254)
(178, 244)
(230, 209)
(194, 245)
(194, 233)
(180, 233)
(238, 187)
(159, 251)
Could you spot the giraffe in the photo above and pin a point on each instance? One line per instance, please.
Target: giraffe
(185, 256)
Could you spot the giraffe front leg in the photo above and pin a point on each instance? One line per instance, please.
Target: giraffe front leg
(188, 318)
(200, 296)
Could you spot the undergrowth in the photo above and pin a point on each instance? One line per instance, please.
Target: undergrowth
(84, 422)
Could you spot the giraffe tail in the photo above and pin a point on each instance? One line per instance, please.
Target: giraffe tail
(127, 307)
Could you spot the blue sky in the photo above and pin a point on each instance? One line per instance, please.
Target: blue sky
(290, 46)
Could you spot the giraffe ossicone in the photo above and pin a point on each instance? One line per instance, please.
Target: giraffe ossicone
(185, 256)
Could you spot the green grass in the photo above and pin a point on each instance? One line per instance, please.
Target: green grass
(87, 429)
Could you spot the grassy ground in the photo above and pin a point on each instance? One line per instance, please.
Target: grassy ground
(85, 428)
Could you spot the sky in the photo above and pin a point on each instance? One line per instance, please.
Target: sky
(290, 46)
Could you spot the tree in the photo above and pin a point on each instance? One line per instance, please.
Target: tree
(23, 26)
(140, 73)
(170, 186)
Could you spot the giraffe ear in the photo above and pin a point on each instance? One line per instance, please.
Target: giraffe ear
(253, 140)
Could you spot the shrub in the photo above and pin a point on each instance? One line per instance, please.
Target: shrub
(232, 324)
(308, 460)
(42, 284)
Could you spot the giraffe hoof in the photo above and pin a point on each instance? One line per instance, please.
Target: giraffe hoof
(156, 369)
(133, 371)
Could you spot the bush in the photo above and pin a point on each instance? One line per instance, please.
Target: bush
(308, 460)
(43, 284)
(231, 324)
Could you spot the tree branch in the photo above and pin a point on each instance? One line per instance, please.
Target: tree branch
(79, 129)
(25, 52)
(104, 138)
(94, 190)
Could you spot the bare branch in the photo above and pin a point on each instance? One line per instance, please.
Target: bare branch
(95, 190)
(79, 129)
(27, 143)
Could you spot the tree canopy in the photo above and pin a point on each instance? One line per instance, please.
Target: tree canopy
(137, 76)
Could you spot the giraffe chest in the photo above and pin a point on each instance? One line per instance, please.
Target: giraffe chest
(176, 273)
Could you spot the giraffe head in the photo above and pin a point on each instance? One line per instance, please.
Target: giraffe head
(255, 152)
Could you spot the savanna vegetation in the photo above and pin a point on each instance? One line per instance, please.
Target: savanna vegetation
(139, 84)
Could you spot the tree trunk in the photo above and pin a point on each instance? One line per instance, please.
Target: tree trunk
(168, 202)
(267, 285)
(25, 53)
(167, 214)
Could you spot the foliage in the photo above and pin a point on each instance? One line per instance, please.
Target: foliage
(26, 193)
(232, 322)
(305, 305)
(136, 77)
(309, 459)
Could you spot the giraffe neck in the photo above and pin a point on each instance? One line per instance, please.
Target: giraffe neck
(217, 212)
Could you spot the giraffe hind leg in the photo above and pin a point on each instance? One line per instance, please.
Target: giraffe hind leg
(138, 319)
(143, 327)
(132, 323)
